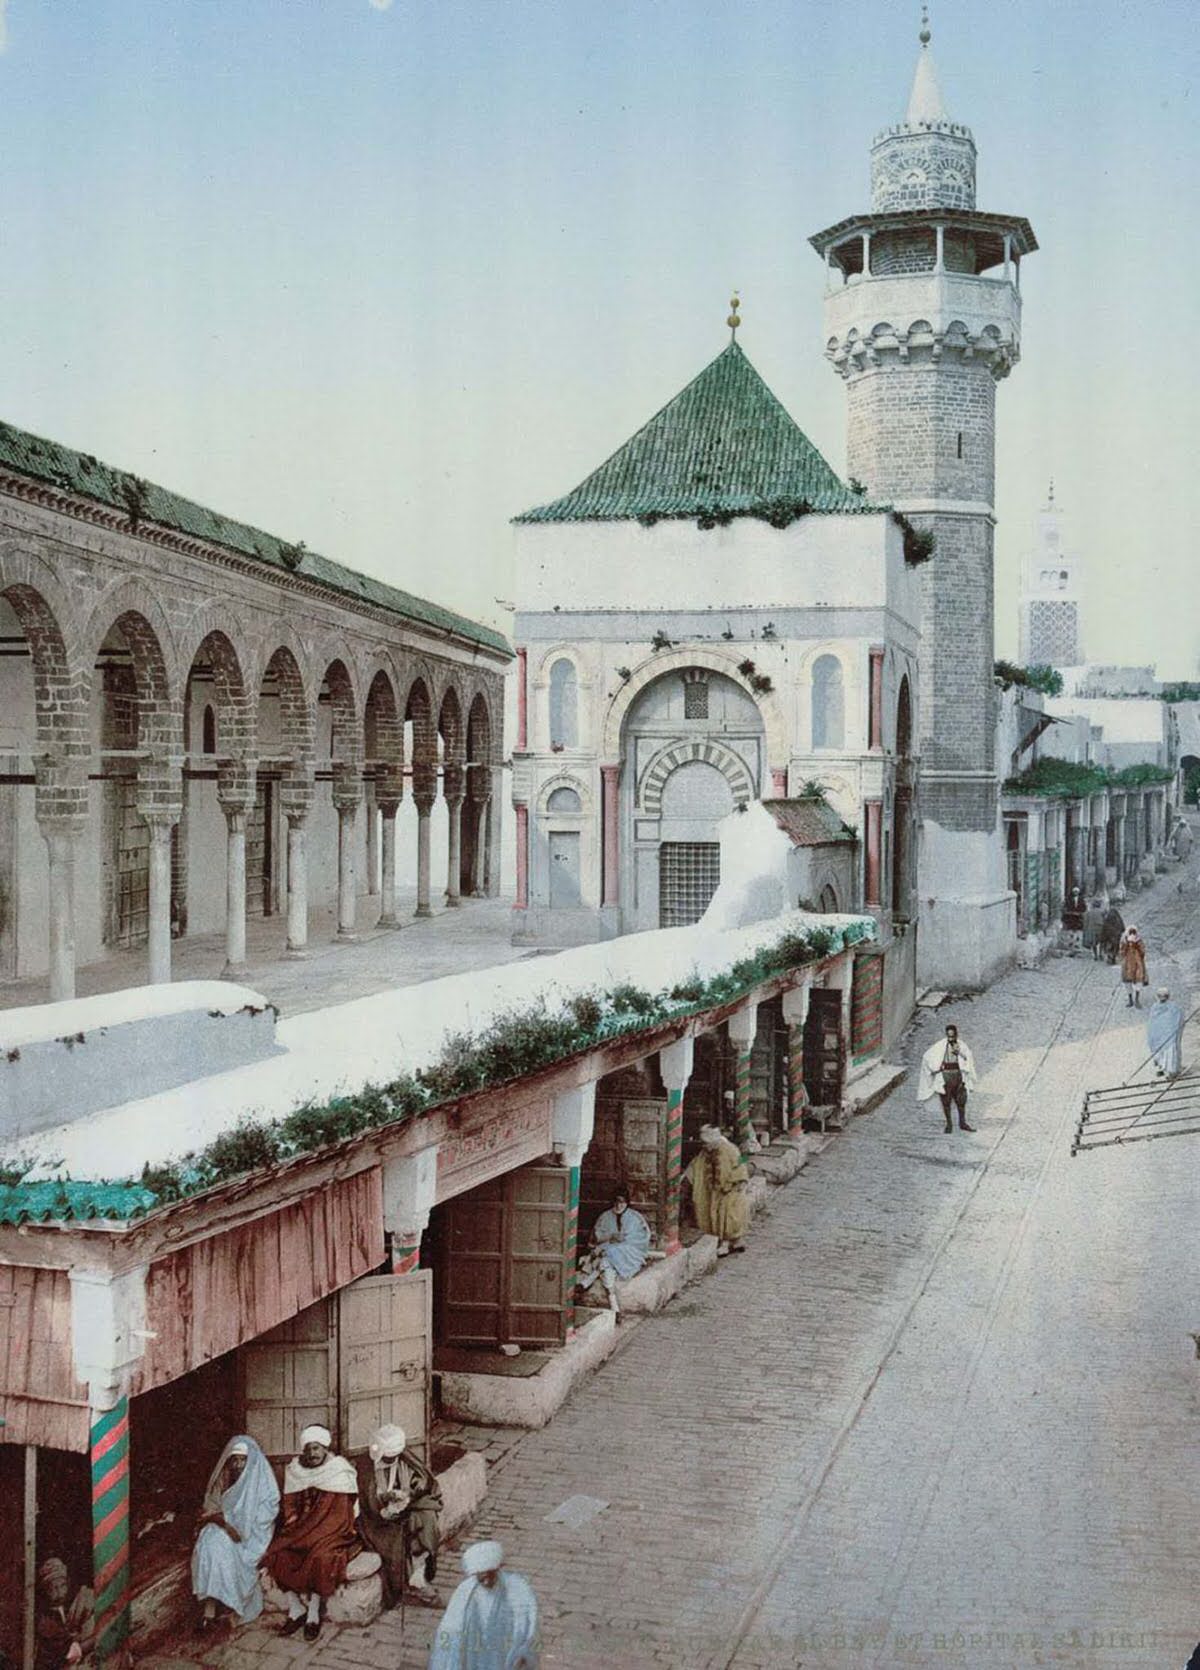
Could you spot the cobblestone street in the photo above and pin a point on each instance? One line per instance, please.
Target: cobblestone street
(942, 1414)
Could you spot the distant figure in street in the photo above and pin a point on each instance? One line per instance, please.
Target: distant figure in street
(1164, 1032)
(491, 1622)
(620, 1242)
(719, 1183)
(236, 1522)
(948, 1072)
(1132, 952)
(1111, 930)
(316, 1539)
(398, 1505)
(1093, 922)
(63, 1627)
(1181, 838)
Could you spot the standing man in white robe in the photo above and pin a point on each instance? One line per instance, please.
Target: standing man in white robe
(236, 1523)
(1164, 1030)
(491, 1622)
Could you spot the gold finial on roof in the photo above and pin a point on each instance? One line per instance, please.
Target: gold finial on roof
(925, 36)
(734, 319)
(1051, 492)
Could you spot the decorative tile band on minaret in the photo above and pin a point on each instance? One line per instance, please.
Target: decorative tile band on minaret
(922, 321)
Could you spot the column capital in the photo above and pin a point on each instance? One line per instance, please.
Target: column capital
(347, 798)
(743, 1024)
(675, 1063)
(389, 804)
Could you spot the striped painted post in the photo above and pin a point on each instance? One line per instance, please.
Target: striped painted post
(110, 1527)
(741, 1103)
(406, 1252)
(797, 1094)
(573, 1215)
(670, 1230)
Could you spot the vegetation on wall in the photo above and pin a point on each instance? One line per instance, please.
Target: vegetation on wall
(919, 543)
(1068, 779)
(1045, 679)
(512, 1046)
(1183, 692)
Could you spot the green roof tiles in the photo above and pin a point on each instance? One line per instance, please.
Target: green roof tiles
(724, 447)
(78, 472)
(52, 1202)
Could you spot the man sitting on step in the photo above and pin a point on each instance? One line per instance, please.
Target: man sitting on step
(316, 1540)
(398, 1506)
(620, 1242)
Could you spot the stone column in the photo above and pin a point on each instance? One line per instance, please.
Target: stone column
(373, 864)
(387, 878)
(795, 1014)
(610, 822)
(574, 1120)
(875, 714)
(743, 1024)
(873, 878)
(297, 881)
(675, 1065)
(424, 808)
(409, 1193)
(62, 839)
(347, 801)
(454, 806)
(522, 857)
(158, 936)
(235, 886)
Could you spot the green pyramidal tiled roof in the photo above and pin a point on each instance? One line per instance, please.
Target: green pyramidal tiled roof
(724, 447)
(78, 472)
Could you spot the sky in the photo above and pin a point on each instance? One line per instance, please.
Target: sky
(380, 274)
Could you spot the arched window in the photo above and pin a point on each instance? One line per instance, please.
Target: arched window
(828, 703)
(828, 902)
(904, 719)
(564, 705)
(209, 731)
(565, 803)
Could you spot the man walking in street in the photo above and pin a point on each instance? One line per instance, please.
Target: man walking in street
(948, 1072)
(491, 1622)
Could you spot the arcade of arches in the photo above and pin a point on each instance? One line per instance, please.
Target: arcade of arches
(178, 756)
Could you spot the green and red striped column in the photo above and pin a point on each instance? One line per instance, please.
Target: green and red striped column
(573, 1214)
(743, 1124)
(109, 1454)
(670, 1230)
(406, 1252)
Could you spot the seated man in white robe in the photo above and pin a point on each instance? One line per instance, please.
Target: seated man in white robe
(620, 1242)
(491, 1622)
(236, 1523)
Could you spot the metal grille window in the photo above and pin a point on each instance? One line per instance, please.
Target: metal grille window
(695, 699)
(688, 874)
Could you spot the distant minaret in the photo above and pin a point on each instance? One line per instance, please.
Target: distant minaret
(922, 320)
(1050, 597)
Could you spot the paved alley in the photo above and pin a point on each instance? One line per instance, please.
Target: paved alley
(943, 1413)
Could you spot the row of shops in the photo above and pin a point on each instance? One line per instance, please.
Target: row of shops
(133, 1342)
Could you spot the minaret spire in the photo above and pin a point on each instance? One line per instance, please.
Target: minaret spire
(925, 103)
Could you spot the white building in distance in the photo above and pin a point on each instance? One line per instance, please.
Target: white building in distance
(1051, 630)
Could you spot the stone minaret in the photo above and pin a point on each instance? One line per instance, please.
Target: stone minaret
(922, 320)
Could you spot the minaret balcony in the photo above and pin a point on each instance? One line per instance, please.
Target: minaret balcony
(923, 315)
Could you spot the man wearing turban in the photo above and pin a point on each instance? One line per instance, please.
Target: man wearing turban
(316, 1537)
(719, 1183)
(491, 1622)
(398, 1506)
(64, 1624)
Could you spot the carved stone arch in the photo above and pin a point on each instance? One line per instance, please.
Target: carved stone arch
(452, 728)
(702, 751)
(346, 708)
(480, 748)
(134, 598)
(273, 632)
(565, 780)
(297, 707)
(775, 731)
(62, 680)
(567, 650)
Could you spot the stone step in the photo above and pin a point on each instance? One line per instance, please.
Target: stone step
(875, 1086)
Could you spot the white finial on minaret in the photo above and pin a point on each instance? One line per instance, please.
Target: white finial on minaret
(925, 101)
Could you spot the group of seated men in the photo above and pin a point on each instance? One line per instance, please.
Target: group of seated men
(335, 1520)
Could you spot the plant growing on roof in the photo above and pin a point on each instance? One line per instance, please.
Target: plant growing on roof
(919, 543)
(746, 668)
(134, 493)
(624, 674)
(761, 684)
(291, 556)
(661, 641)
(769, 632)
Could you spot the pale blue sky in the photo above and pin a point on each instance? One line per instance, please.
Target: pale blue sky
(380, 276)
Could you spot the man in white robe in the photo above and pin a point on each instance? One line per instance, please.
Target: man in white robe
(1164, 1030)
(948, 1072)
(236, 1523)
(491, 1622)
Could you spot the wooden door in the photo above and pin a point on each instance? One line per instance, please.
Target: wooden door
(824, 1051)
(260, 832)
(130, 868)
(564, 869)
(627, 1151)
(768, 1068)
(704, 1097)
(504, 1266)
(384, 1331)
(289, 1379)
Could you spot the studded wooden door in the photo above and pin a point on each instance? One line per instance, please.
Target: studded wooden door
(503, 1265)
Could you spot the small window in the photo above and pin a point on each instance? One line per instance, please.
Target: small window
(695, 698)
(209, 732)
(828, 708)
(960, 443)
(565, 803)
